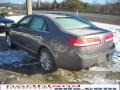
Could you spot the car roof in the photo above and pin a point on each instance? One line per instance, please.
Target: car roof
(54, 15)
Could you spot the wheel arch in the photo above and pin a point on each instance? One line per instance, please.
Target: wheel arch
(42, 47)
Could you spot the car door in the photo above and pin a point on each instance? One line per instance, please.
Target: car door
(19, 33)
(38, 33)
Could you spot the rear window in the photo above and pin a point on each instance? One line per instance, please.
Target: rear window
(72, 23)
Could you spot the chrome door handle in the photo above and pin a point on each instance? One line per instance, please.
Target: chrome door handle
(38, 36)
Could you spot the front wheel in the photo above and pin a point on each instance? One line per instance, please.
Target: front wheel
(47, 61)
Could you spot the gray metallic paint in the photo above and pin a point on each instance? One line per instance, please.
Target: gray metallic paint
(56, 40)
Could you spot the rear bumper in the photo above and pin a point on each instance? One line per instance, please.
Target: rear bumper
(76, 62)
(91, 60)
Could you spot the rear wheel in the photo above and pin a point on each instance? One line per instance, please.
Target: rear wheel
(47, 61)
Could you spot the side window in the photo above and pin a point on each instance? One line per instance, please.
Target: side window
(38, 23)
(24, 22)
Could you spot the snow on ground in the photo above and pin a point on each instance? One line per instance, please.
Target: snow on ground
(11, 57)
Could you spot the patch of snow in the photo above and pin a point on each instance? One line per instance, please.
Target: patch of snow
(110, 27)
(96, 68)
(2, 34)
(13, 57)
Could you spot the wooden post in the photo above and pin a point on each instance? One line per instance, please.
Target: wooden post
(39, 3)
(29, 7)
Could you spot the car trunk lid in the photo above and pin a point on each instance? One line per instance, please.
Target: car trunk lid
(94, 41)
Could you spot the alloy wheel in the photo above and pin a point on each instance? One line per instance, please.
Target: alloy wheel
(45, 61)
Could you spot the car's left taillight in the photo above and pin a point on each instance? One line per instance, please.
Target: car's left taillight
(109, 37)
(90, 40)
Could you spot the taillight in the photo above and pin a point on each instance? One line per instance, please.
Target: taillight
(109, 37)
(83, 42)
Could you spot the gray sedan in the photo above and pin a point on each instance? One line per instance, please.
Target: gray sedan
(62, 41)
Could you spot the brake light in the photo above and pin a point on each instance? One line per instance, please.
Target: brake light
(109, 37)
(83, 42)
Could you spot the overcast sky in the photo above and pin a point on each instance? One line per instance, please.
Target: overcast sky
(88, 1)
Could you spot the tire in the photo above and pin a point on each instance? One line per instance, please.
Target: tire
(47, 61)
(9, 41)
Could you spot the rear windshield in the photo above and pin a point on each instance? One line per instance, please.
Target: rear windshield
(72, 23)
